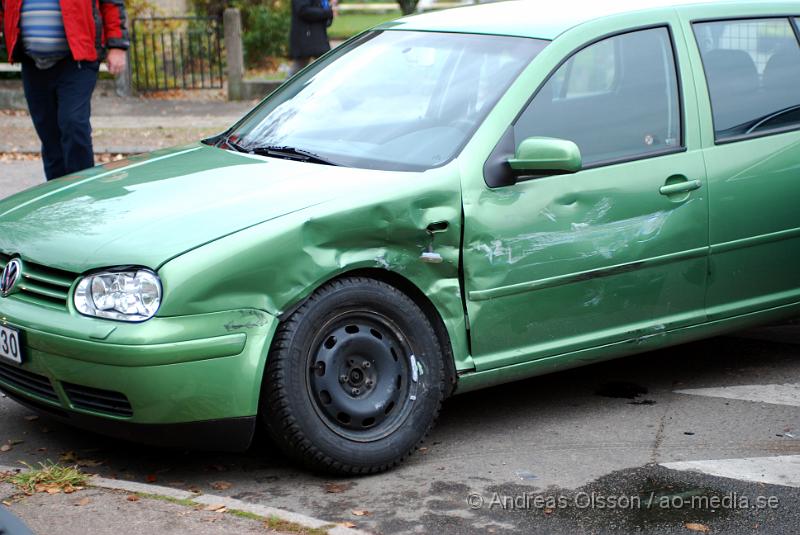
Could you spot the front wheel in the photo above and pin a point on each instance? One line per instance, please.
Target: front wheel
(354, 380)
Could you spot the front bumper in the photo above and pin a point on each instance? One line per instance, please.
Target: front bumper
(180, 381)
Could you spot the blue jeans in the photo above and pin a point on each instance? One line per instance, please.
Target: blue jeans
(59, 100)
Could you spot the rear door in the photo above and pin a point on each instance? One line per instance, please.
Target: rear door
(749, 94)
(617, 251)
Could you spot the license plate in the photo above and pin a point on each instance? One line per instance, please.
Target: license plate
(10, 347)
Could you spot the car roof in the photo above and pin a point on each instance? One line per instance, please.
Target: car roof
(541, 19)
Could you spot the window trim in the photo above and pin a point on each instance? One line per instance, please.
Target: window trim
(625, 159)
(794, 25)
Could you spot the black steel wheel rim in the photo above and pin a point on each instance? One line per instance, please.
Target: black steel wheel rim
(362, 375)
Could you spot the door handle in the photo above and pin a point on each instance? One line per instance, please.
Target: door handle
(680, 187)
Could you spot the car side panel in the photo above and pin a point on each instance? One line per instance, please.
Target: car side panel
(274, 266)
(559, 264)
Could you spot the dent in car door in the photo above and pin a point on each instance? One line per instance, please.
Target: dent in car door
(560, 263)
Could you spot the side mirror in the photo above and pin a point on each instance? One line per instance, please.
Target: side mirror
(546, 156)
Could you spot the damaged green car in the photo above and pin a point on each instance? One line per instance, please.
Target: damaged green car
(444, 203)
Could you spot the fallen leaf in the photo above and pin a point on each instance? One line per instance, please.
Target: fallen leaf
(151, 478)
(348, 524)
(336, 488)
(549, 510)
(32, 418)
(361, 513)
(218, 507)
(132, 498)
(5, 447)
(694, 526)
(82, 502)
(423, 450)
(49, 488)
(69, 489)
(6, 503)
(221, 485)
(89, 462)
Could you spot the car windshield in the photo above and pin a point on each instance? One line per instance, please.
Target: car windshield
(390, 100)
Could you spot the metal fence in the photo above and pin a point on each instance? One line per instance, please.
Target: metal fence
(176, 53)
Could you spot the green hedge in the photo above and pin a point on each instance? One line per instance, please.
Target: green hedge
(265, 32)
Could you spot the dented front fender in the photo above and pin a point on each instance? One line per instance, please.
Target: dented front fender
(406, 224)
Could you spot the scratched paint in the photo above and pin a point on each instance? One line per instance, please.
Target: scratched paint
(603, 239)
(568, 262)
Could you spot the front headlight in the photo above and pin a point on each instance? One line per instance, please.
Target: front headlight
(132, 295)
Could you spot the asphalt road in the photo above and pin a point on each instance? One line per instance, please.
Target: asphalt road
(575, 452)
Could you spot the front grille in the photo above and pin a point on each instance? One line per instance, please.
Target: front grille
(41, 284)
(95, 399)
(26, 381)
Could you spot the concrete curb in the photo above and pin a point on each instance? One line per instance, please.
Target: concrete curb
(211, 499)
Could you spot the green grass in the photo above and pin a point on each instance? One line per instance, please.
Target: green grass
(347, 25)
(273, 523)
(276, 524)
(170, 499)
(49, 477)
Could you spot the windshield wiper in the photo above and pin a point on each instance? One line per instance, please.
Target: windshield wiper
(291, 153)
(280, 151)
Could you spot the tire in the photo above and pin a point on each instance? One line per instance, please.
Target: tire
(341, 393)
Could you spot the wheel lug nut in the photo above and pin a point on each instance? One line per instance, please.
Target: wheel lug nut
(367, 364)
(369, 382)
(356, 391)
(342, 378)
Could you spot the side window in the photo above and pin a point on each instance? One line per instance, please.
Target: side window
(591, 73)
(616, 99)
(753, 72)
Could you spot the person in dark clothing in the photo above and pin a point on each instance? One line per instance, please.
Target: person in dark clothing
(60, 44)
(308, 38)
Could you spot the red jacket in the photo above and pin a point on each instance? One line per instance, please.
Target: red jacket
(91, 26)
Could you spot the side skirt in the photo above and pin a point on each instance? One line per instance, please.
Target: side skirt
(483, 379)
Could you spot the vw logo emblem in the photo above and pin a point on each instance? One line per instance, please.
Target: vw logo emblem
(10, 277)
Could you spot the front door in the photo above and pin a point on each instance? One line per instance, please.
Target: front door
(617, 251)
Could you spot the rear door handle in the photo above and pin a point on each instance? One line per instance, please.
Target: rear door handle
(680, 187)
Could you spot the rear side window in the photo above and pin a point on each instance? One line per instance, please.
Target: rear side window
(617, 99)
(753, 72)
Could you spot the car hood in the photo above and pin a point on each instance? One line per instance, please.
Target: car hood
(150, 208)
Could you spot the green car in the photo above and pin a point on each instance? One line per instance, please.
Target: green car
(447, 202)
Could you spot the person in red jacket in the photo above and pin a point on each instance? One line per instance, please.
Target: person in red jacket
(60, 44)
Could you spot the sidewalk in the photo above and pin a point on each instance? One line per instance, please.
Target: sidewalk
(81, 503)
(107, 512)
(133, 125)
